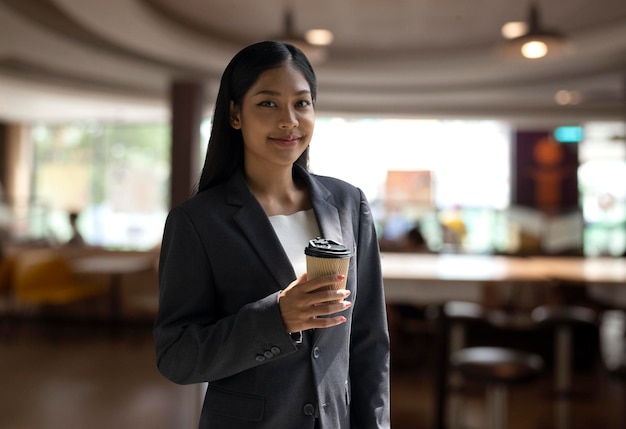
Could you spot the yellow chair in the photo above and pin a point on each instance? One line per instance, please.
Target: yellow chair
(44, 277)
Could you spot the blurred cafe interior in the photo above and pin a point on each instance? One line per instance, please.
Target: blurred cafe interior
(489, 137)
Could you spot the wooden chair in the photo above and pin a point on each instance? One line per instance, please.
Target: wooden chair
(613, 342)
(44, 278)
(563, 320)
(452, 320)
(498, 368)
(613, 353)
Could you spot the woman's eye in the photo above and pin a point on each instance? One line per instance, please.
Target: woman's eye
(303, 103)
(267, 104)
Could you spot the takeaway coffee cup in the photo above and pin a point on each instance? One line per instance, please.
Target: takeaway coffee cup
(325, 257)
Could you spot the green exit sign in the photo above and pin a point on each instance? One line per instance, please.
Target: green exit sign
(568, 134)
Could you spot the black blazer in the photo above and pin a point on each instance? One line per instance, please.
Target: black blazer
(221, 270)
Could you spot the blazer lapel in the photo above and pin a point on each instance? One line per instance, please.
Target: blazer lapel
(257, 228)
(325, 211)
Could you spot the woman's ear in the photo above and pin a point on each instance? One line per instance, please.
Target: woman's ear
(235, 120)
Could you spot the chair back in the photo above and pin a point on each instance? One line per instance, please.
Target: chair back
(37, 271)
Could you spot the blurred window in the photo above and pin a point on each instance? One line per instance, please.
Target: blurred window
(466, 165)
(115, 175)
(602, 184)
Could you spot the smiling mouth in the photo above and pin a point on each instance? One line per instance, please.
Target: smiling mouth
(286, 140)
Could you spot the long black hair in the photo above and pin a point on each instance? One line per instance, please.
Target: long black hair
(225, 150)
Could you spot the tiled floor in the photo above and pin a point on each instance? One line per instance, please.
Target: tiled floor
(82, 379)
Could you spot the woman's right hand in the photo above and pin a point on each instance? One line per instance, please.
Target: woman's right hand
(303, 301)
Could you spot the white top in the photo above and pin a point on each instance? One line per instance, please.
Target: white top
(294, 232)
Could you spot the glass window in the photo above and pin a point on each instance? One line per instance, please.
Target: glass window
(602, 184)
(114, 175)
(466, 164)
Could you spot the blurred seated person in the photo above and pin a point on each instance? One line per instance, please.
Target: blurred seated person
(77, 238)
(411, 241)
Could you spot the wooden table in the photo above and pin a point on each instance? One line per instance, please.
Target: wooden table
(457, 268)
(584, 271)
(434, 278)
(115, 266)
(490, 268)
(409, 277)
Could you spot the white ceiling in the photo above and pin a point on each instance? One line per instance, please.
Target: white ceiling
(115, 59)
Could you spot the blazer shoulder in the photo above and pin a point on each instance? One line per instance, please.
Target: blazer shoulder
(335, 185)
(201, 202)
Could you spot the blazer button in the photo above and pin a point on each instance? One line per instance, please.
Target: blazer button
(275, 350)
(268, 354)
(308, 410)
(316, 352)
(260, 358)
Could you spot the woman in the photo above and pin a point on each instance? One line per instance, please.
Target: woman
(276, 353)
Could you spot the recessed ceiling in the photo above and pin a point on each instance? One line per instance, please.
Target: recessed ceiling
(420, 58)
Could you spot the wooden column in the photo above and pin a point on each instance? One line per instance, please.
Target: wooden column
(544, 173)
(3, 160)
(544, 195)
(187, 103)
(16, 154)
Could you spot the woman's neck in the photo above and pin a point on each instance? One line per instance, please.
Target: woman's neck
(277, 192)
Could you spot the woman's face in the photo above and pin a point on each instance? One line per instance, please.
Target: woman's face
(276, 118)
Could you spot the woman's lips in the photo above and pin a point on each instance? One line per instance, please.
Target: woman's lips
(287, 140)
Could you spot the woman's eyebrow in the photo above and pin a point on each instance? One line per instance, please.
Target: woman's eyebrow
(276, 93)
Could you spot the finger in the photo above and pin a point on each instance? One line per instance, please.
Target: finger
(327, 322)
(331, 307)
(312, 285)
(320, 322)
(316, 316)
(328, 296)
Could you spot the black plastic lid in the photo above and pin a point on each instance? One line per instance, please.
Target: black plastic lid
(322, 248)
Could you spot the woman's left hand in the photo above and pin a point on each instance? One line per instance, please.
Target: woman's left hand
(304, 300)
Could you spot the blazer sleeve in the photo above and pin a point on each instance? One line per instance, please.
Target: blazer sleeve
(194, 341)
(369, 355)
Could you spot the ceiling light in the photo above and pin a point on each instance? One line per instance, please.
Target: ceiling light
(534, 49)
(565, 97)
(319, 37)
(535, 42)
(514, 29)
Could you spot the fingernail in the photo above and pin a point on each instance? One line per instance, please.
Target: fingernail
(348, 293)
(343, 319)
(340, 277)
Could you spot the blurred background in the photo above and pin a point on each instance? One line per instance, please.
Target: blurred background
(431, 90)
(485, 127)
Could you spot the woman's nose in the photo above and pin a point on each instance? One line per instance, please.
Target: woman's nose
(288, 119)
